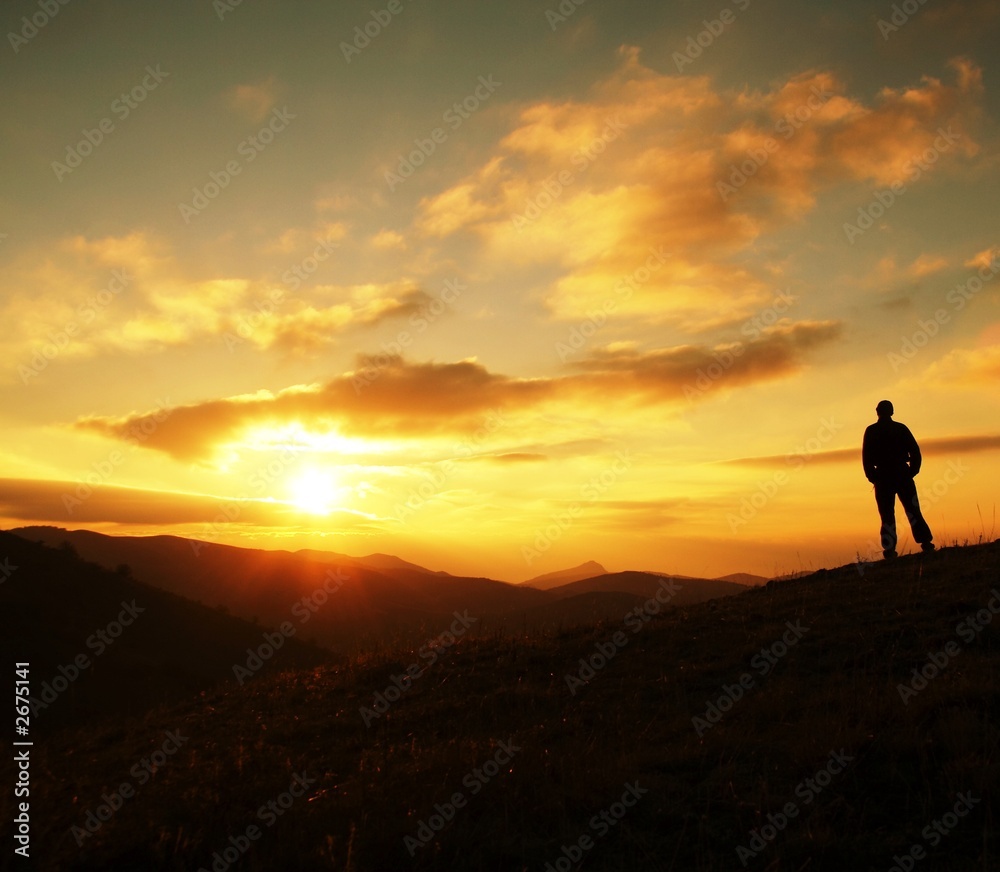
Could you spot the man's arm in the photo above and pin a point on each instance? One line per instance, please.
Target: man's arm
(866, 456)
(914, 449)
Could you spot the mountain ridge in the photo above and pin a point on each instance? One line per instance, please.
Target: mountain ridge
(399, 599)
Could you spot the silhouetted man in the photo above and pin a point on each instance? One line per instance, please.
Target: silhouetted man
(891, 458)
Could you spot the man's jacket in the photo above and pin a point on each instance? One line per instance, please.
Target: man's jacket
(889, 451)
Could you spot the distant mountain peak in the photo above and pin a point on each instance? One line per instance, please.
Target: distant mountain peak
(566, 576)
(746, 578)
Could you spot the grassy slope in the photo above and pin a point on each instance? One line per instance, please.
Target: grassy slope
(835, 689)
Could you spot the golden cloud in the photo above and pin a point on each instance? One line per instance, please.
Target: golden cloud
(254, 100)
(297, 326)
(984, 259)
(969, 369)
(653, 162)
(128, 294)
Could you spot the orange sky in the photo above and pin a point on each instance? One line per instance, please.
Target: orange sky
(499, 292)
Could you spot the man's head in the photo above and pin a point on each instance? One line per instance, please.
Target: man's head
(884, 409)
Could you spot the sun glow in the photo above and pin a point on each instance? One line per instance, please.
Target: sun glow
(314, 490)
(296, 437)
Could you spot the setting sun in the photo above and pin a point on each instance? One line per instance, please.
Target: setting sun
(314, 490)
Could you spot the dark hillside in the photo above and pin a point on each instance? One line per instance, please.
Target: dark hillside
(763, 731)
(141, 646)
(681, 591)
(369, 605)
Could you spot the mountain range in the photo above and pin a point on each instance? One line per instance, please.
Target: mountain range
(367, 600)
(202, 612)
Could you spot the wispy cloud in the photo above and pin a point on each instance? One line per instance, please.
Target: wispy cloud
(934, 446)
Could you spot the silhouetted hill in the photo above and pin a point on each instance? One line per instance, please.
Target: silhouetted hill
(372, 561)
(141, 646)
(578, 609)
(369, 605)
(365, 606)
(682, 590)
(746, 578)
(565, 576)
(770, 723)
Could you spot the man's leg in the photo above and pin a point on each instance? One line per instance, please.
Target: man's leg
(911, 505)
(885, 499)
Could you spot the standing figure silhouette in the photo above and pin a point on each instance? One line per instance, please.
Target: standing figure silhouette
(891, 458)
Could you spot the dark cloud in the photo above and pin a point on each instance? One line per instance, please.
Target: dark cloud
(384, 396)
(387, 396)
(689, 371)
(933, 447)
(65, 502)
(83, 503)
